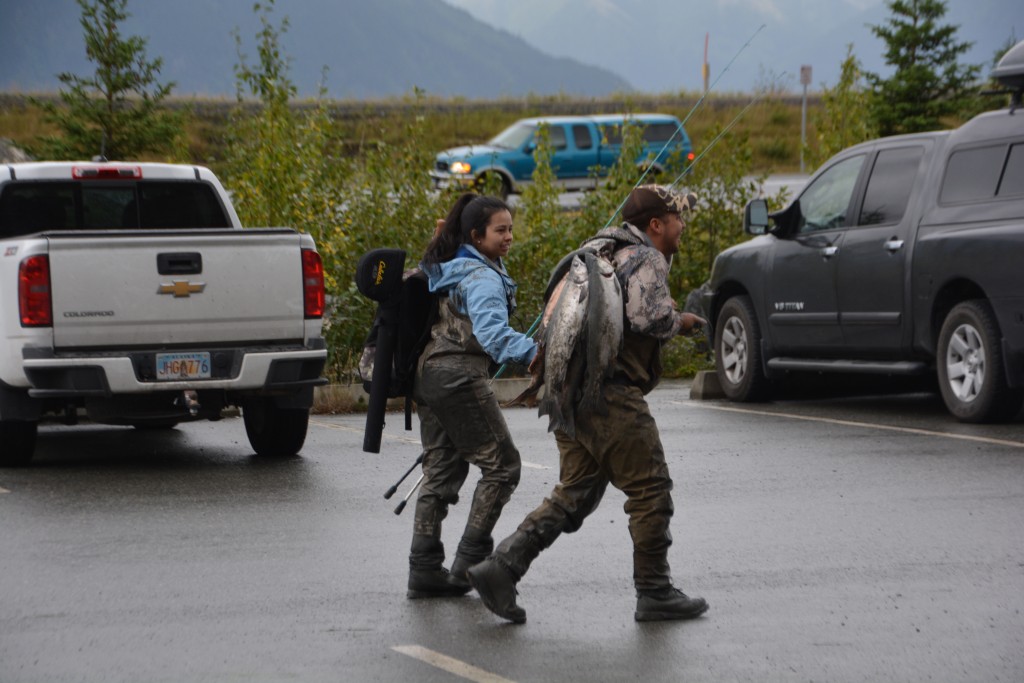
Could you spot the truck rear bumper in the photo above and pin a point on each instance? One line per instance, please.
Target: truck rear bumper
(107, 375)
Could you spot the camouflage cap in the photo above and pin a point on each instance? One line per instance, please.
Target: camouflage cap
(656, 200)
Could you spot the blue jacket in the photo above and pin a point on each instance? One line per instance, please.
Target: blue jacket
(482, 290)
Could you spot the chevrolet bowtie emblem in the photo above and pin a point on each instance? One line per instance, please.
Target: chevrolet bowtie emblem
(180, 288)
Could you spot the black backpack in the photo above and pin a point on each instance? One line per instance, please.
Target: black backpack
(406, 310)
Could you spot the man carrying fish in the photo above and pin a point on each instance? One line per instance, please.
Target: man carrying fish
(610, 438)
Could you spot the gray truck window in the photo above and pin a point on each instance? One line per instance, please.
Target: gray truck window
(660, 132)
(1012, 184)
(972, 174)
(612, 134)
(556, 137)
(823, 205)
(892, 179)
(581, 136)
(27, 207)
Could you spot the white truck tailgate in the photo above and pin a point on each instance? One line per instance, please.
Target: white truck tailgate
(217, 286)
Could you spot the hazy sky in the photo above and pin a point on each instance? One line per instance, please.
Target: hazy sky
(658, 45)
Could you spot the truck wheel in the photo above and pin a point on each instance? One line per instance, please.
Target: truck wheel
(969, 360)
(17, 442)
(738, 352)
(494, 183)
(274, 431)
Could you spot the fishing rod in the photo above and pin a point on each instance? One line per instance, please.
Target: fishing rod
(715, 140)
(685, 119)
(693, 109)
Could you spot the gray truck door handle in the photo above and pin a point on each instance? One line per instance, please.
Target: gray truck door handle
(829, 251)
(893, 245)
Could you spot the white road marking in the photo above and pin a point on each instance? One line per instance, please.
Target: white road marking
(851, 423)
(449, 664)
(403, 439)
(3, 490)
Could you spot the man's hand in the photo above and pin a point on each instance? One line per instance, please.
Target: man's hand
(692, 325)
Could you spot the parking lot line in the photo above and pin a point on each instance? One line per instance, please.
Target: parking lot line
(852, 423)
(450, 664)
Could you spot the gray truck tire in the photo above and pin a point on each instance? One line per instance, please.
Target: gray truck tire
(738, 352)
(970, 365)
(274, 431)
(17, 442)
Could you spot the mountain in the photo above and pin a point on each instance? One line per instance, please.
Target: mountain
(658, 45)
(371, 49)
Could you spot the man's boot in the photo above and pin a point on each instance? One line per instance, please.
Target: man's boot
(474, 548)
(433, 583)
(663, 604)
(457, 576)
(497, 588)
(427, 578)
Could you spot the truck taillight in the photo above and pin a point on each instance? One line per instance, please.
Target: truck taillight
(313, 283)
(106, 172)
(34, 300)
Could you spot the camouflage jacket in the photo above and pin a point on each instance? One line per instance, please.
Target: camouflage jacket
(652, 315)
(643, 273)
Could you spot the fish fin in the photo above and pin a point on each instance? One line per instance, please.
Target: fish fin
(594, 402)
(528, 397)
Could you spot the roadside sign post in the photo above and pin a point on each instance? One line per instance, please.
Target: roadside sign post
(805, 80)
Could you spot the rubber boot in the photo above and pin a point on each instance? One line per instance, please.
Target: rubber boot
(427, 578)
(663, 604)
(497, 588)
(474, 548)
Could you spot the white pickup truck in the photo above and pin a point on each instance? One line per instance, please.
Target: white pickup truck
(132, 292)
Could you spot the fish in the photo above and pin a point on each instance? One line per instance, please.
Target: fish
(564, 327)
(529, 395)
(579, 336)
(604, 331)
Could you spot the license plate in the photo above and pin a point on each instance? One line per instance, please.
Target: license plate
(171, 366)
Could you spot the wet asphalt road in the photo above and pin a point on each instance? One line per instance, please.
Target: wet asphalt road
(837, 539)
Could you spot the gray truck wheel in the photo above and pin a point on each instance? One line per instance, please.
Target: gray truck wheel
(969, 360)
(274, 431)
(17, 442)
(738, 352)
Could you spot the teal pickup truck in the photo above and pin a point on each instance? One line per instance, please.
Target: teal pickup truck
(583, 150)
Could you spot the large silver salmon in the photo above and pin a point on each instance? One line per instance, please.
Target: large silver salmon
(529, 395)
(559, 342)
(604, 329)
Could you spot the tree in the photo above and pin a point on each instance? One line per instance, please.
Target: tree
(844, 118)
(928, 83)
(117, 111)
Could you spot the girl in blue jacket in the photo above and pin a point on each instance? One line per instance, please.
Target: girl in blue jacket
(460, 420)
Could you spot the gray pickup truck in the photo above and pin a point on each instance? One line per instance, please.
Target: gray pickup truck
(132, 293)
(901, 256)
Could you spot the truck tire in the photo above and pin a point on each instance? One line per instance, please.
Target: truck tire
(495, 182)
(17, 442)
(971, 370)
(274, 431)
(738, 352)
